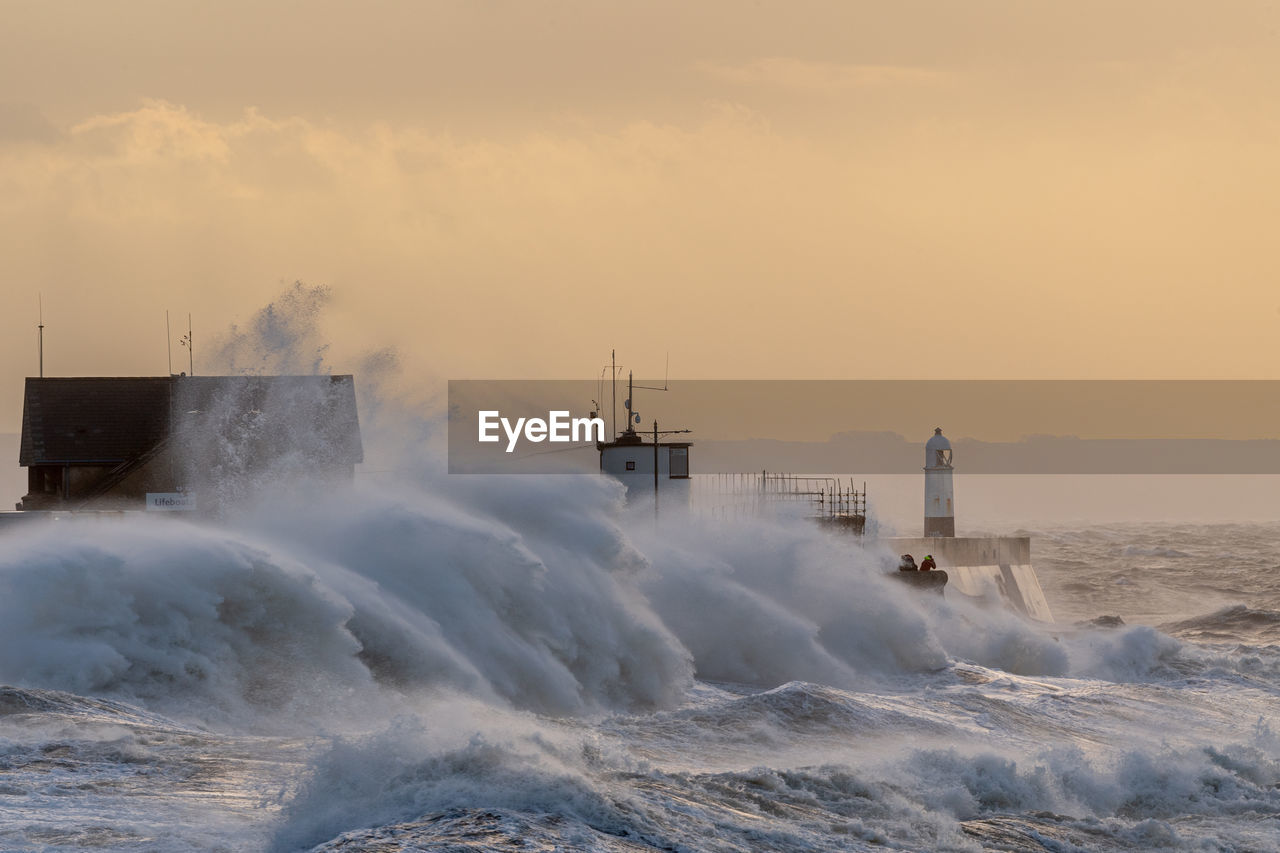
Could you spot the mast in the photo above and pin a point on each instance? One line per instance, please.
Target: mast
(188, 342)
(655, 470)
(40, 341)
(655, 465)
(631, 390)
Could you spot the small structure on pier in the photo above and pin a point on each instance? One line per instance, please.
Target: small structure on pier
(656, 466)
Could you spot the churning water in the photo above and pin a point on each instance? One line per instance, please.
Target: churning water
(475, 663)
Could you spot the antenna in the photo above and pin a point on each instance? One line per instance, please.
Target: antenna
(40, 343)
(630, 395)
(168, 340)
(633, 417)
(189, 343)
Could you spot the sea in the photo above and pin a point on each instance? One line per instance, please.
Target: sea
(525, 663)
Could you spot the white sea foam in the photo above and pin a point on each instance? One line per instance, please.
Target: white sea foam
(868, 790)
(525, 591)
(413, 596)
(525, 647)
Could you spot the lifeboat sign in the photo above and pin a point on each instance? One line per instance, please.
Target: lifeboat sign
(170, 501)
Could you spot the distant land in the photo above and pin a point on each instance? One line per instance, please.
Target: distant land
(891, 453)
(996, 427)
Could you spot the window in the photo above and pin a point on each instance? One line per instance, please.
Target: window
(44, 479)
(679, 463)
(631, 465)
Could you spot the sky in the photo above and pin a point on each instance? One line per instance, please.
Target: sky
(908, 190)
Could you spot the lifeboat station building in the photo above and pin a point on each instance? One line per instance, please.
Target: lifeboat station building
(169, 442)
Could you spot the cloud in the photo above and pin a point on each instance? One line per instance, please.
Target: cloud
(747, 244)
(158, 131)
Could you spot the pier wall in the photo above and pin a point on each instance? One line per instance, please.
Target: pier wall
(965, 550)
(982, 568)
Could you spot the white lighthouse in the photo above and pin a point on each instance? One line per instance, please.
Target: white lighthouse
(939, 494)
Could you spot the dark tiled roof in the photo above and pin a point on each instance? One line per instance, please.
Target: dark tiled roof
(100, 419)
(115, 419)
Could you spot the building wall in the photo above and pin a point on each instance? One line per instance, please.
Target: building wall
(127, 492)
(613, 460)
(639, 481)
(154, 475)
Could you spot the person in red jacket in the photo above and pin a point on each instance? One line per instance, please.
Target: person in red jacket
(928, 564)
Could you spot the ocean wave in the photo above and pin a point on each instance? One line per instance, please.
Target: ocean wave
(1128, 654)
(41, 706)
(538, 594)
(1153, 551)
(535, 593)
(255, 627)
(774, 718)
(522, 661)
(1238, 621)
(558, 792)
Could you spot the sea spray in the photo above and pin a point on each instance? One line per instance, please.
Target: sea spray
(517, 656)
(325, 600)
(540, 593)
(178, 617)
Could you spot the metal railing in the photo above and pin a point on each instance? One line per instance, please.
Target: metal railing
(830, 500)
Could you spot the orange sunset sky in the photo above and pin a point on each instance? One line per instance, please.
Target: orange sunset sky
(763, 190)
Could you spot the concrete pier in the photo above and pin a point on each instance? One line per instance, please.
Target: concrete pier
(979, 567)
